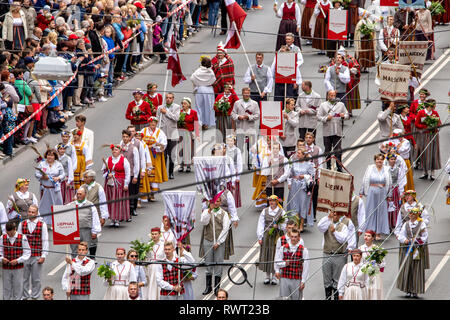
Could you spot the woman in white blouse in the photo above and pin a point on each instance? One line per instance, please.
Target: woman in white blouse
(353, 282)
(124, 274)
(151, 292)
(375, 286)
(19, 202)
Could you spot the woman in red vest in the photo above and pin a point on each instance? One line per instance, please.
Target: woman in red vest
(153, 98)
(290, 15)
(308, 10)
(321, 11)
(116, 171)
(224, 121)
(188, 129)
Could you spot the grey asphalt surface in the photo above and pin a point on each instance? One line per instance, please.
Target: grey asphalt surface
(108, 119)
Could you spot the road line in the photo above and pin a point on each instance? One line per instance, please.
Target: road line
(57, 268)
(435, 63)
(432, 75)
(239, 276)
(360, 139)
(437, 270)
(357, 151)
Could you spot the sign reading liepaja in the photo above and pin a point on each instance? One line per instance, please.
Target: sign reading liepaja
(337, 25)
(66, 228)
(180, 208)
(285, 67)
(335, 191)
(394, 81)
(271, 120)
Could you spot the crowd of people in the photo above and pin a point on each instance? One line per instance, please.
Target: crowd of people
(162, 135)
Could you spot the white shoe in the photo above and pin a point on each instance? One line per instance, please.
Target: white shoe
(144, 59)
(69, 113)
(266, 281)
(102, 99)
(140, 65)
(113, 224)
(32, 139)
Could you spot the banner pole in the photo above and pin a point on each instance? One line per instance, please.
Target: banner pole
(164, 97)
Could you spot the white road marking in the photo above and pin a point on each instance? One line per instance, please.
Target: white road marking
(357, 151)
(423, 83)
(360, 139)
(437, 270)
(200, 147)
(57, 268)
(239, 276)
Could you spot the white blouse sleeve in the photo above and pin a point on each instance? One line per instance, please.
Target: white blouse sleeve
(126, 165)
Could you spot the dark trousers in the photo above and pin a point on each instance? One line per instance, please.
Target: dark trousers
(302, 132)
(255, 96)
(159, 48)
(133, 189)
(120, 59)
(279, 192)
(168, 153)
(330, 142)
(223, 13)
(314, 197)
(342, 97)
(290, 92)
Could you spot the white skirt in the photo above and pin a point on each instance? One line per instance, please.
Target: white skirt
(355, 293)
(151, 291)
(375, 288)
(116, 292)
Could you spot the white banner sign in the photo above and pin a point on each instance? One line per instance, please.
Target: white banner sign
(286, 67)
(415, 51)
(335, 191)
(209, 168)
(394, 81)
(337, 25)
(180, 208)
(65, 224)
(271, 118)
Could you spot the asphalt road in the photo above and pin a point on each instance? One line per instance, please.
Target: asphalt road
(108, 119)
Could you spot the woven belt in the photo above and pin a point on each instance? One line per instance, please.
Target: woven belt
(377, 185)
(48, 187)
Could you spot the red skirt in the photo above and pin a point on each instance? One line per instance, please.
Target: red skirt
(36, 106)
(287, 26)
(305, 30)
(396, 203)
(119, 210)
(67, 192)
(320, 35)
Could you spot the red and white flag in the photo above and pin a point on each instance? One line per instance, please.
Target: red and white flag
(174, 62)
(236, 15)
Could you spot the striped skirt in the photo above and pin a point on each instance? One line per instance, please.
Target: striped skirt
(144, 186)
(236, 193)
(412, 276)
(353, 99)
(119, 210)
(393, 207)
(259, 195)
(431, 157)
(366, 57)
(67, 192)
(409, 176)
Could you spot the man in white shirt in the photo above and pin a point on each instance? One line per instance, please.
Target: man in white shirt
(389, 36)
(291, 267)
(308, 102)
(89, 221)
(36, 232)
(172, 287)
(14, 251)
(87, 135)
(131, 152)
(259, 78)
(337, 77)
(216, 224)
(76, 280)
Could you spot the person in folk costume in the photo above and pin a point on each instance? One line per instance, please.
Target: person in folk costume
(375, 284)
(424, 30)
(3, 218)
(292, 266)
(153, 98)
(307, 103)
(236, 155)
(70, 151)
(138, 110)
(398, 178)
(276, 169)
(291, 20)
(89, 221)
(271, 226)
(67, 189)
(35, 229)
(291, 122)
(352, 19)
(151, 291)
(409, 203)
(405, 21)
(116, 171)
(223, 67)
(166, 231)
(203, 79)
(413, 238)
(219, 150)
(334, 44)
(141, 278)
(353, 282)
(321, 12)
(408, 119)
(308, 10)
(336, 239)
(216, 226)
(403, 149)
(131, 153)
(260, 152)
(19, 202)
(87, 134)
(50, 173)
(415, 107)
(312, 151)
(260, 76)
(289, 90)
(14, 251)
(376, 186)
(124, 274)
(133, 291)
(337, 78)
(246, 115)
(365, 45)
(169, 277)
(290, 225)
(95, 194)
(84, 159)
(145, 185)
(389, 37)
(76, 280)
(353, 100)
(224, 122)
(156, 141)
(376, 13)
(357, 216)
(300, 180)
(420, 103)
(189, 276)
(388, 120)
(430, 159)
(188, 133)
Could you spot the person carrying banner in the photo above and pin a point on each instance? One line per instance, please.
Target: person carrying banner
(276, 169)
(169, 277)
(246, 115)
(321, 12)
(292, 266)
(388, 121)
(330, 114)
(14, 251)
(67, 189)
(353, 282)
(76, 280)
(116, 171)
(19, 202)
(335, 229)
(223, 67)
(271, 225)
(35, 229)
(95, 194)
(261, 74)
(291, 19)
(84, 159)
(307, 103)
(216, 225)
(156, 141)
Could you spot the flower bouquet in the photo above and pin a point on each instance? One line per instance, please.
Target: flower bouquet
(377, 254)
(105, 271)
(136, 111)
(133, 22)
(283, 219)
(182, 120)
(142, 248)
(367, 29)
(432, 122)
(222, 105)
(436, 8)
(152, 107)
(371, 268)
